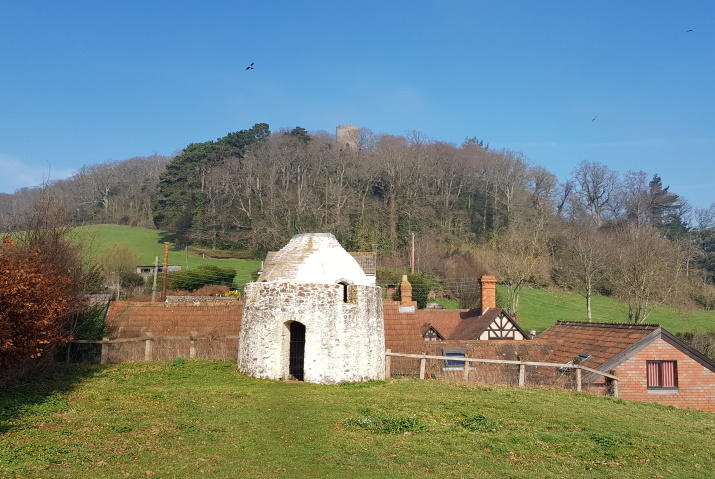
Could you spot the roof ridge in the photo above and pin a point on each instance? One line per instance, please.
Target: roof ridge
(612, 325)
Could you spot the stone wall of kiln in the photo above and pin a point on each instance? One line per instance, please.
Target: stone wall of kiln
(344, 341)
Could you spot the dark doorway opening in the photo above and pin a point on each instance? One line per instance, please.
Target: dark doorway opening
(297, 350)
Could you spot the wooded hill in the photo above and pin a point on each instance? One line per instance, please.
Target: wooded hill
(471, 209)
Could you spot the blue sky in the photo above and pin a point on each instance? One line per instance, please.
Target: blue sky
(88, 82)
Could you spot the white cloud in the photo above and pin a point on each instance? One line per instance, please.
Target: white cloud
(14, 174)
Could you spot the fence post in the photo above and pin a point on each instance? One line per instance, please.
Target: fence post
(388, 364)
(192, 346)
(465, 372)
(104, 358)
(614, 383)
(148, 347)
(423, 366)
(522, 375)
(578, 378)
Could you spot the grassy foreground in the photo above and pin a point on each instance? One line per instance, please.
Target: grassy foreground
(203, 419)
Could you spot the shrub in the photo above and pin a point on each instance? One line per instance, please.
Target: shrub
(35, 304)
(203, 275)
(387, 424)
(178, 361)
(703, 341)
(478, 422)
(90, 323)
(421, 286)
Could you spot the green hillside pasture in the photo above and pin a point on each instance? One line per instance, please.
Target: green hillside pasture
(150, 243)
(539, 309)
(203, 419)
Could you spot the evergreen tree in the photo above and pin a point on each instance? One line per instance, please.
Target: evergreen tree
(665, 209)
(179, 206)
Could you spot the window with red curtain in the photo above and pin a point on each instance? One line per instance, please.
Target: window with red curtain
(662, 374)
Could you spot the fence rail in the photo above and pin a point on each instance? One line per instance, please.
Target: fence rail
(578, 368)
(150, 354)
(149, 340)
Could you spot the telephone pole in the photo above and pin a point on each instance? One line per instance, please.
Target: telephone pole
(156, 270)
(166, 270)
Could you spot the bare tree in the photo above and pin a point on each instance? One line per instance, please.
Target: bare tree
(519, 257)
(584, 262)
(597, 186)
(635, 196)
(647, 270)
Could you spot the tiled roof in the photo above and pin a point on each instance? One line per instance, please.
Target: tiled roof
(131, 320)
(402, 330)
(475, 326)
(367, 261)
(602, 341)
(459, 324)
(445, 321)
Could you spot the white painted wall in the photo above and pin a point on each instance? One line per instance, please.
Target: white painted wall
(345, 341)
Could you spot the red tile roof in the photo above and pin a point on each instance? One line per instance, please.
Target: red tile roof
(460, 324)
(402, 330)
(131, 320)
(602, 341)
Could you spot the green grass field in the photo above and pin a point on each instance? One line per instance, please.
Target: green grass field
(539, 309)
(150, 243)
(203, 419)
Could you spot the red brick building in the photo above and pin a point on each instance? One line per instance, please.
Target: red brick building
(652, 365)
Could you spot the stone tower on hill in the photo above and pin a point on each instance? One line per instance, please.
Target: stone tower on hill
(347, 137)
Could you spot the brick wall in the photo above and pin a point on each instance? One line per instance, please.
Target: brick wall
(696, 384)
(210, 322)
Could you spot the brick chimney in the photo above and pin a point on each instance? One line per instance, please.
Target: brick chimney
(405, 292)
(489, 292)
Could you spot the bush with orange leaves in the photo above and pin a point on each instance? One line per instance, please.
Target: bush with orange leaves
(35, 303)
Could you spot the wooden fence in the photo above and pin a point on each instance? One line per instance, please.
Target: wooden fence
(150, 349)
(612, 380)
(150, 354)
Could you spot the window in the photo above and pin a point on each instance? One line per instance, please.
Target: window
(662, 374)
(345, 291)
(580, 359)
(432, 335)
(455, 353)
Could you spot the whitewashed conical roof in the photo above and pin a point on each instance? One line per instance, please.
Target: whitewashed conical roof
(313, 258)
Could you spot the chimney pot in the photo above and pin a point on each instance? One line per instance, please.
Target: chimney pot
(405, 292)
(489, 292)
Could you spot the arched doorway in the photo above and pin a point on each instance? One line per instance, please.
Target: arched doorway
(296, 352)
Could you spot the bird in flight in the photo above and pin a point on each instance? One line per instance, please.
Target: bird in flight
(594, 118)
(689, 30)
(250, 67)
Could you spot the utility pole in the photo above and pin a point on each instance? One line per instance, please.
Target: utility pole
(166, 270)
(412, 255)
(156, 270)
